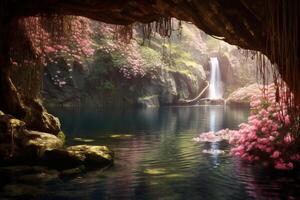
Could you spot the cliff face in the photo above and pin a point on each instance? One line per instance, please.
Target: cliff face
(155, 71)
(121, 73)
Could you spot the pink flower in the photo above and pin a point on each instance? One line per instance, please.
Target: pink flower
(264, 141)
(295, 157)
(265, 130)
(290, 165)
(287, 120)
(274, 127)
(264, 113)
(275, 154)
(269, 150)
(283, 166)
(288, 138)
(265, 137)
(280, 166)
(271, 109)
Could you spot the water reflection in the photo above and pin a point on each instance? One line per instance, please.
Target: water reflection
(268, 184)
(156, 158)
(215, 124)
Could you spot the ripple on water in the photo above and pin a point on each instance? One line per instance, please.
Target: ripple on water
(157, 159)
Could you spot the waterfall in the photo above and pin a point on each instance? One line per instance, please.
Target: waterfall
(215, 82)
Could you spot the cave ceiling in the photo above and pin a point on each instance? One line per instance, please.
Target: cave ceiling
(238, 22)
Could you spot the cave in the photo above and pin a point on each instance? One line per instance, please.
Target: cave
(242, 23)
(267, 30)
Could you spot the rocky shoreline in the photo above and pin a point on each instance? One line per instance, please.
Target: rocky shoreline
(20, 146)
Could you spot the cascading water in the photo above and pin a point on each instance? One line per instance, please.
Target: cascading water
(215, 82)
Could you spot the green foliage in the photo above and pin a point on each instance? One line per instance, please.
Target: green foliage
(186, 62)
(118, 59)
(106, 63)
(107, 86)
(149, 54)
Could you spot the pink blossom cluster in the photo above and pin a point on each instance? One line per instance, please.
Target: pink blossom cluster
(135, 66)
(224, 134)
(79, 45)
(268, 136)
(76, 45)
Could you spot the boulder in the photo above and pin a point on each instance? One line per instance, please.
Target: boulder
(19, 145)
(40, 141)
(39, 119)
(242, 96)
(10, 128)
(73, 156)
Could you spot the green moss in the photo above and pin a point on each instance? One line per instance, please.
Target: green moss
(106, 86)
(149, 53)
(183, 71)
(118, 59)
(187, 62)
(148, 97)
(61, 135)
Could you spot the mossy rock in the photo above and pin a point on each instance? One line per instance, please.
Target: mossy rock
(73, 156)
(61, 135)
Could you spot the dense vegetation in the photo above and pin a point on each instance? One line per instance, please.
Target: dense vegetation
(90, 63)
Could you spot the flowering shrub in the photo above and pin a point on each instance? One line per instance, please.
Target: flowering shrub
(268, 136)
(50, 45)
(135, 65)
(85, 37)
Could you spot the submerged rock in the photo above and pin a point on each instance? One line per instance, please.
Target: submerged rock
(91, 156)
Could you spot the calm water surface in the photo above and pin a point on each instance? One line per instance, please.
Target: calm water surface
(156, 159)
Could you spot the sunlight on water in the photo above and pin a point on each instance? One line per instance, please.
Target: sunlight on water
(215, 124)
(155, 159)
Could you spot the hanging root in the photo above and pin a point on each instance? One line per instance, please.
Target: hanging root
(282, 46)
(164, 26)
(27, 50)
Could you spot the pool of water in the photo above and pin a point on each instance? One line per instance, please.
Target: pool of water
(155, 159)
